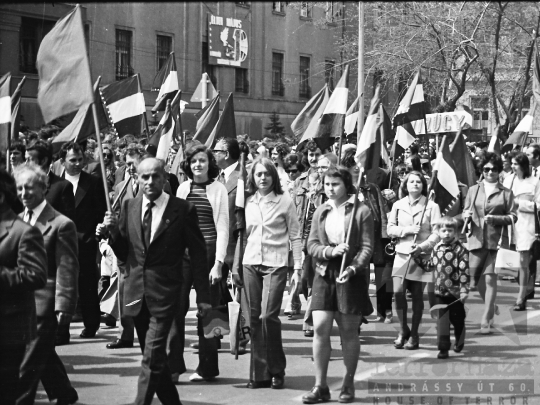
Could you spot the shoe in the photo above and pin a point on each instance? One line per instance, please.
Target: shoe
(413, 343)
(259, 384)
(316, 395)
(175, 377)
(496, 311)
(400, 341)
(458, 348)
(88, 333)
(388, 317)
(197, 378)
(194, 346)
(309, 333)
(520, 307)
(61, 340)
(346, 395)
(278, 382)
(108, 320)
(68, 401)
(443, 354)
(485, 329)
(364, 320)
(120, 344)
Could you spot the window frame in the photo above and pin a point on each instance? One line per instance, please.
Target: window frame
(39, 28)
(119, 74)
(171, 48)
(244, 89)
(282, 7)
(306, 8)
(278, 89)
(304, 88)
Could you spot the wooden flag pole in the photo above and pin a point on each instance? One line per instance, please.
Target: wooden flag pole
(351, 221)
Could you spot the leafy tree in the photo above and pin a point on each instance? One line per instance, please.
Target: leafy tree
(275, 128)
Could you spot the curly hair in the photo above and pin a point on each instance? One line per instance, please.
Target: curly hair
(213, 169)
(489, 157)
(292, 159)
(348, 158)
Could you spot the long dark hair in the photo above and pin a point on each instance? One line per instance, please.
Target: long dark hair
(269, 166)
(341, 172)
(213, 169)
(523, 161)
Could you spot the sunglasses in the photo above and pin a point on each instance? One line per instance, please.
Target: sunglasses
(292, 171)
(219, 150)
(402, 172)
(490, 169)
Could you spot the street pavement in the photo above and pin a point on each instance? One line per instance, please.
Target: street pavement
(502, 368)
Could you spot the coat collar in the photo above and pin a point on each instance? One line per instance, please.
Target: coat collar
(82, 187)
(45, 218)
(6, 223)
(232, 181)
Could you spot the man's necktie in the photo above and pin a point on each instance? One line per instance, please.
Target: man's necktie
(221, 178)
(147, 223)
(29, 214)
(135, 188)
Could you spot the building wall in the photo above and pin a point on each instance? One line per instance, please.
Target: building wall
(186, 22)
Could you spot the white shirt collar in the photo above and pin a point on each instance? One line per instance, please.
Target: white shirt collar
(162, 199)
(72, 178)
(36, 212)
(270, 197)
(228, 170)
(332, 204)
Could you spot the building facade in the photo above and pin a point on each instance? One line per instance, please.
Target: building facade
(273, 56)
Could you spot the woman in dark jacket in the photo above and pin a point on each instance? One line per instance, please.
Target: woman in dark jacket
(343, 297)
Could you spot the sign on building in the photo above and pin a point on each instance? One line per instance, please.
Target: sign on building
(227, 41)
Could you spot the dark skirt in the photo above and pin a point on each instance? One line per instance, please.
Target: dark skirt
(349, 298)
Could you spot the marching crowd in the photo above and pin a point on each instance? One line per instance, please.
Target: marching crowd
(171, 229)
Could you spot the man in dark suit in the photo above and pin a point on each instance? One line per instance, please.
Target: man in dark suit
(151, 237)
(23, 264)
(90, 207)
(55, 304)
(59, 192)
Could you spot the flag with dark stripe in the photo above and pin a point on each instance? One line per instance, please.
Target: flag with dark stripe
(412, 107)
(368, 152)
(445, 185)
(166, 82)
(333, 117)
(162, 138)
(351, 118)
(226, 125)
(405, 137)
(125, 103)
(5, 111)
(520, 134)
(463, 161)
(313, 126)
(301, 123)
(207, 121)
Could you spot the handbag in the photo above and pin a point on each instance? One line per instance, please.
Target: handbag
(535, 248)
(390, 248)
(508, 261)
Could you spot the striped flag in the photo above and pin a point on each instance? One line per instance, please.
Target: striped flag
(207, 121)
(495, 143)
(166, 81)
(405, 137)
(226, 125)
(82, 126)
(125, 103)
(301, 123)
(177, 108)
(536, 74)
(333, 117)
(5, 111)
(445, 183)
(412, 107)
(240, 201)
(65, 84)
(387, 134)
(162, 138)
(351, 118)
(15, 110)
(368, 151)
(313, 126)
(520, 134)
(463, 161)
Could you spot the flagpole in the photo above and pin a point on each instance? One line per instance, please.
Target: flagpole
(429, 193)
(204, 92)
(527, 136)
(393, 161)
(100, 152)
(360, 124)
(145, 118)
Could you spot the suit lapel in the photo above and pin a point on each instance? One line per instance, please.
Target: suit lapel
(82, 188)
(136, 218)
(44, 219)
(232, 182)
(169, 215)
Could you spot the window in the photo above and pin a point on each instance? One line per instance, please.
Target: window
(207, 68)
(164, 48)
(241, 81)
(306, 9)
(329, 73)
(480, 107)
(31, 34)
(305, 90)
(279, 6)
(277, 74)
(123, 54)
(332, 11)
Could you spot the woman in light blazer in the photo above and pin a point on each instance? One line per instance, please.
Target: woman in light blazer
(404, 224)
(492, 210)
(212, 203)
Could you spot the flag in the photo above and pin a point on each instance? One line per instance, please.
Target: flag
(368, 151)
(412, 107)
(226, 125)
(405, 137)
(536, 74)
(313, 126)
(304, 118)
(520, 134)
(386, 134)
(494, 143)
(166, 81)
(333, 117)
(207, 122)
(65, 83)
(463, 161)
(445, 183)
(15, 110)
(5, 111)
(240, 201)
(177, 108)
(125, 102)
(351, 117)
(162, 138)
(82, 126)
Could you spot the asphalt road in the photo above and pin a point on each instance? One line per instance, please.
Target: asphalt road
(502, 368)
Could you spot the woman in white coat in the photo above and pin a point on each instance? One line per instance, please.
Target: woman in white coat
(526, 189)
